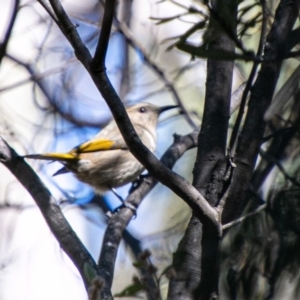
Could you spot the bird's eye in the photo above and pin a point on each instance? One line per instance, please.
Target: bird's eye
(142, 109)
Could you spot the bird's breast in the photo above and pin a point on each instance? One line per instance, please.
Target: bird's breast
(108, 169)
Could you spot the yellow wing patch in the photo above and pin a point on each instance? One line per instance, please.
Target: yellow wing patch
(73, 155)
(96, 145)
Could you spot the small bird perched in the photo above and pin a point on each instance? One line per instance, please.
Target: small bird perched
(104, 162)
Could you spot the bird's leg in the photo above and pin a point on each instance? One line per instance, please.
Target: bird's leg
(117, 195)
(124, 204)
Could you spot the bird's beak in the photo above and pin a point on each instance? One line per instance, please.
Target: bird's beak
(164, 108)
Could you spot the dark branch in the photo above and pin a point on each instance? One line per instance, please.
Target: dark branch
(176, 183)
(70, 32)
(119, 221)
(8, 32)
(55, 219)
(244, 217)
(202, 52)
(200, 280)
(239, 118)
(261, 97)
(100, 54)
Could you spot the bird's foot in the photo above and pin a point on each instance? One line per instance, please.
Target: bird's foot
(138, 182)
(126, 205)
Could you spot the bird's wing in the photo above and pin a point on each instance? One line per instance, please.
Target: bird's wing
(98, 144)
(93, 145)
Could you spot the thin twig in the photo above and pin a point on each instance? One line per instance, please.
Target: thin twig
(239, 118)
(279, 165)
(241, 219)
(159, 72)
(70, 32)
(49, 11)
(34, 76)
(8, 32)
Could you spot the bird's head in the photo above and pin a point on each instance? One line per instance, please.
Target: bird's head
(146, 114)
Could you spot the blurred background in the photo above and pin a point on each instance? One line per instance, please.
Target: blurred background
(49, 103)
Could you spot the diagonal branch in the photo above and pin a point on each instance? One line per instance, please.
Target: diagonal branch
(259, 53)
(119, 221)
(156, 168)
(244, 217)
(176, 183)
(70, 32)
(52, 213)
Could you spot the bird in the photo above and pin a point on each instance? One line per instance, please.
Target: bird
(105, 162)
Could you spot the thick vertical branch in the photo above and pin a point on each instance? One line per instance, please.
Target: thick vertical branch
(118, 222)
(213, 134)
(261, 96)
(197, 268)
(96, 69)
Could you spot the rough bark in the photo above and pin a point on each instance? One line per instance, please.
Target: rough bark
(261, 97)
(197, 266)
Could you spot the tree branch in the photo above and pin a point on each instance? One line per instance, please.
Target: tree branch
(259, 53)
(51, 212)
(197, 269)
(70, 32)
(100, 54)
(261, 96)
(119, 221)
(8, 32)
(246, 216)
(176, 183)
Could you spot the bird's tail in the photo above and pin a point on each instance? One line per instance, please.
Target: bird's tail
(64, 157)
(61, 157)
